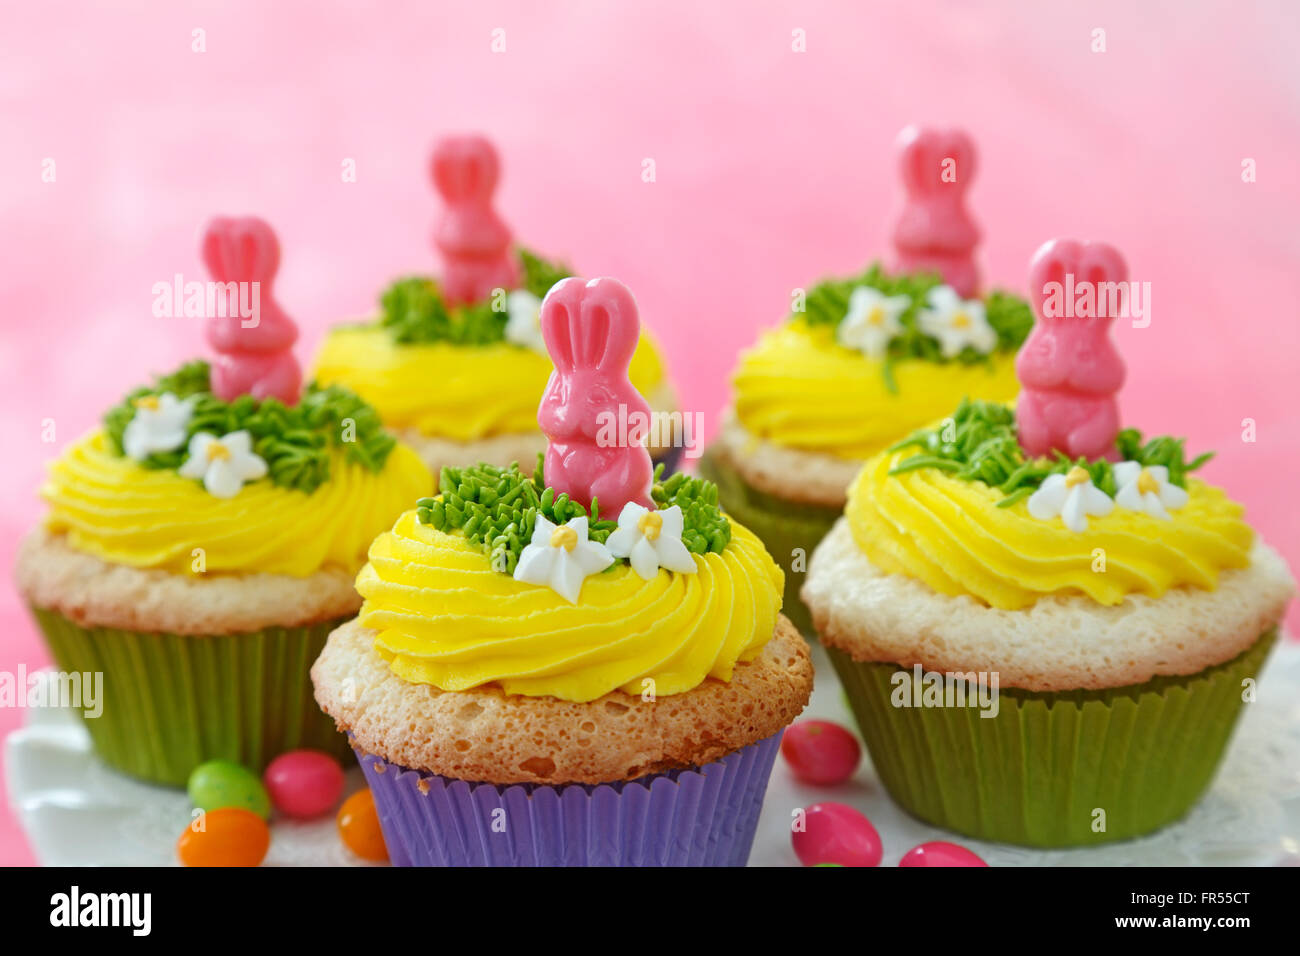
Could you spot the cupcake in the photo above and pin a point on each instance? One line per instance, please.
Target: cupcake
(862, 362)
(455, 366)
(531, 682)
(1045, 626)
(202, 542)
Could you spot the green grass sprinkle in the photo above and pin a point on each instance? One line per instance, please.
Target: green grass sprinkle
(979, 443)
(827, 303)
(414, 313)
(295, 441)
(497, 508)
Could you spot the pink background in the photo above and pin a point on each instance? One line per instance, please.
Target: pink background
(773, 169)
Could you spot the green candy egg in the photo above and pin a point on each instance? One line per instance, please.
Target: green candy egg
(221, 783)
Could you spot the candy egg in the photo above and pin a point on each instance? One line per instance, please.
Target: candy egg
(229, 836)
(359, 827)
(304, 784)
(836, 833)
(820, 752)
(940, 853)
(221, 783)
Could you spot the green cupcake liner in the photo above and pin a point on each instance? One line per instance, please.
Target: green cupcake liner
(173, 701)
(783, 526)
(1036, 773)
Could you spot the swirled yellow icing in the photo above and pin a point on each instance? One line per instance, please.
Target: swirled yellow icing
(109, 506)
(949, 533)
(799, 388)
(445, 617)
(460, 392)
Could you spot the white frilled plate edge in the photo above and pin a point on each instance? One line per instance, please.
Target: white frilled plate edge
(77, 812)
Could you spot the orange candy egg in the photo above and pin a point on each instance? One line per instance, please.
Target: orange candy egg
(359, 827)
(230, 836)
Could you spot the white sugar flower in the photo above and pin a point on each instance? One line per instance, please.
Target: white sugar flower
(1071, 496)
(1147, 489)
(561, 557)
(224, 464)
(872, 320)
(651, 540)
(956, 322)
(159, 424)
(524, 322)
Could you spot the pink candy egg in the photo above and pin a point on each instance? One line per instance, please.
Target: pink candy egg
(836, 833)
(940, 853)
(820, 752)
(304, 784)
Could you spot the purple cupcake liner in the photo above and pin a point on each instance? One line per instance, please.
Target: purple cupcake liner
(699, 817)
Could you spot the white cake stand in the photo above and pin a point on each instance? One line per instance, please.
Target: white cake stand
(77, 812)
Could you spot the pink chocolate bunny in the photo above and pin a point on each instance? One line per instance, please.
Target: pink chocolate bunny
(254, 354)
(935, 232)
(474, 242)
(591, 330)
(1068, 368)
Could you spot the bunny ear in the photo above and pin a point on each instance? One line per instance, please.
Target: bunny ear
(1049, 266)
(1099, 262)
(934, 161)
(559, 319)
(1085, 262)
(240, 250)
(1104, 268)
(610, 327)
(465, 168)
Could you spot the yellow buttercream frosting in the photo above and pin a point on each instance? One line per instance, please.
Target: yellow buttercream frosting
(460, 392)
(111, 507)
(445, 617)
(949, 533)
(798, 387)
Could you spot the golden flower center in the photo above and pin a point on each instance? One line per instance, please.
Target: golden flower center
(961, 321)
(564, 537)
(218, 452)
(147, 401)
(1147, 483)
(650, 524)
(1076, 476)
(876, 316)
